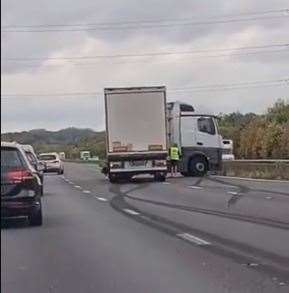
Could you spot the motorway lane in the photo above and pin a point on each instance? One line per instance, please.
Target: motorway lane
(123, 244)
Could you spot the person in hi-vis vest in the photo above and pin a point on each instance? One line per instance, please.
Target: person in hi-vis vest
(174, 159)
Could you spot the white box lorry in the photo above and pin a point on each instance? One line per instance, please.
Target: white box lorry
(197, 137)
(136, 134)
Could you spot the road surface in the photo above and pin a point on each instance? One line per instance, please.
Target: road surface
(185, 235)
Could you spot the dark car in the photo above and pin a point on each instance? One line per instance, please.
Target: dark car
(35, 163)
(20, 186)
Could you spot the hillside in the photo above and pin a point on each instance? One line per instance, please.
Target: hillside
(255, 136)
(70, 140)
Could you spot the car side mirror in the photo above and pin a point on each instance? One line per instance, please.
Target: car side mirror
(40, 166)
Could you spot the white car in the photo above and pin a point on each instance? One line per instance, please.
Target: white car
(52, 162)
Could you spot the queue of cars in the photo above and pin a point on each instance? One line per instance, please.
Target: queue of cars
(22, 180)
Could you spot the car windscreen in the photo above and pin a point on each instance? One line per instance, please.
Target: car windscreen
(47, 157)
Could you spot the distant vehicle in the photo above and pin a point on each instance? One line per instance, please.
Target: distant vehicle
(94, 158)
(20, 185)
(85, 155)
(197, 136)
(136, 132)
(62, 155)
(36, 164)
(52, 162)
(227, 152)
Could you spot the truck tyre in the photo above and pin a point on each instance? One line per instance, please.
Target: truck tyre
(113, 178)
(160, 177)
(185, 174)
(198, 166)
(35, 218)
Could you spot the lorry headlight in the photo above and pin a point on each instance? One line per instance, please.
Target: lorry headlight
(160, 163)
(115, 165)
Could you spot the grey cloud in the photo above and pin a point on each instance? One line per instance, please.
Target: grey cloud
(170, 71)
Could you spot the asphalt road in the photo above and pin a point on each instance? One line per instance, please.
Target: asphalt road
(182, 236)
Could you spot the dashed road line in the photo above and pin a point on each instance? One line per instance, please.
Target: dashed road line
(233, 192)
(193, 239)
(131, 212)
(86, 191)
(195, 187)
(100, 198)
(77, 186)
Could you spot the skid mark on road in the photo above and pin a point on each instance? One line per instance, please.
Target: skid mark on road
(234, 216)
(270, 263)
(244, 189)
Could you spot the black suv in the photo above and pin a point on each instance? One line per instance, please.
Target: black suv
(20, 185)
(35, 163)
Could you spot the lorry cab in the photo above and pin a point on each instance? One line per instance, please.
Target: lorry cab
(85, 155)
(198, 138)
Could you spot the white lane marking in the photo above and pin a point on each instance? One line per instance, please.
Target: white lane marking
(131, 212)
(194, 239)
(166, 183)
(86, 191)
(251, 179)
(195, 187)
(100, 198)
(268, 197)
(232, 192)
(77, 186)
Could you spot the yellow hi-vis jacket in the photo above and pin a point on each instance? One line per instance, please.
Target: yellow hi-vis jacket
(174, 154)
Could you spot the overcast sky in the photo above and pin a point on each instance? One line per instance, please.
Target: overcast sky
(46, 76)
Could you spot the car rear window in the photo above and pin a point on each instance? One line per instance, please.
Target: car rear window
(10, 159)
(47, 157)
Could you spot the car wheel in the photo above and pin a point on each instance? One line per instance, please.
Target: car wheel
(35, 218)
(198, 166)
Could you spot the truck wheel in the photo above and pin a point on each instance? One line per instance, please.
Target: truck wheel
(35, 218)
(113, 178)
(160, 177)
(198, 166)
(185, 174)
